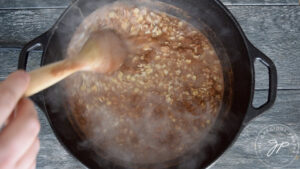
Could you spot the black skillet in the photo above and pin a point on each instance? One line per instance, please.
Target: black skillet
(235, 51)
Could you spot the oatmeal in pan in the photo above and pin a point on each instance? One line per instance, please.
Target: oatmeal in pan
(158, 105)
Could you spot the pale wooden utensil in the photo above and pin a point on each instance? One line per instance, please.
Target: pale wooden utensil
(104, 52)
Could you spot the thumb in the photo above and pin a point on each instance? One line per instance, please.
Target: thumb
(11, 90)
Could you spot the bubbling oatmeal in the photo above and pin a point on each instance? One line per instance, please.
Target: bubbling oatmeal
(163, 99)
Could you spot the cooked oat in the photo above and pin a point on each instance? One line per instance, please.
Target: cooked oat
(158, 105)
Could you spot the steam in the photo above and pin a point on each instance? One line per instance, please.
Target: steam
(116, 140)
(149, 132)
(104, 127)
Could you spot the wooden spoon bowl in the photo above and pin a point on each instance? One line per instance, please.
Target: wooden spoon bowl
(104, 52)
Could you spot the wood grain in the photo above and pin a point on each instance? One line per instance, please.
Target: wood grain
(20, 26)
(283, 51)
(240, 155)
(273, 28)
(9, 61)
(285, 111)
(21, 4)
(276, 32)
(260, 2)
(52, 155)
(264, 27)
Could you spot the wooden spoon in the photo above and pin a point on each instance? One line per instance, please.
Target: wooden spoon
(104, 52)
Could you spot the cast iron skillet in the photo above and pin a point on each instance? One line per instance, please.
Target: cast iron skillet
(237, 55)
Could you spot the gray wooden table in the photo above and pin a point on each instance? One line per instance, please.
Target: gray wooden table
(272, 25)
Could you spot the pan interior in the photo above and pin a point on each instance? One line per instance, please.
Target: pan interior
(165, 97)
(228, 44)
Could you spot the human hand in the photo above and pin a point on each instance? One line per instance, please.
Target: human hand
(19, 143)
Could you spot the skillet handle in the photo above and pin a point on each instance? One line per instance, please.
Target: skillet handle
(40, 41)
(258, 55)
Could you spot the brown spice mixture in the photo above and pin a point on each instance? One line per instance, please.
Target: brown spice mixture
(158, 105)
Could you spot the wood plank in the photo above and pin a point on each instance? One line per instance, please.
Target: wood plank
(52, 155)
(284, 51)
(288, 69)
(9, 61)
(274, 30)
(268, 19)
(21, 26)
(21, 4)
(285, 112)
(240, 155)
(260, 2)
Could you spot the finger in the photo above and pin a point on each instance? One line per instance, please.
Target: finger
(18, 136)
(12, 89)
(33, 165)
(29, 157)
(10, 118)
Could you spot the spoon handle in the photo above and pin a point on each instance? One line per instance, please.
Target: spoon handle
(48, 75)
